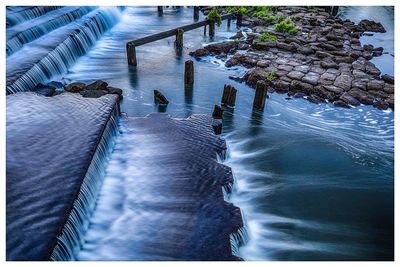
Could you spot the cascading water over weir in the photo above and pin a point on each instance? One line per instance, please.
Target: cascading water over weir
(54, 54)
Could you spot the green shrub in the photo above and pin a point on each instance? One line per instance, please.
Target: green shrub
(271, 75)
(266, 36)
(214, 16)
(260, 14)
(286, 26)
(237, 9)
(271, 19)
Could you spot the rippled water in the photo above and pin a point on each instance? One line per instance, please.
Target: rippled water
(315, 182)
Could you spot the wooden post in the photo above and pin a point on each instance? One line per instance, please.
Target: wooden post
(131, 53)
(189, 73)
(211, 29)
(205, 29)
(217, 113)
(259, 97)
(335, 10)
(196, 11)
(179, 38)
(239, 18)
(160, 10)
(229, 23)
(229, 96)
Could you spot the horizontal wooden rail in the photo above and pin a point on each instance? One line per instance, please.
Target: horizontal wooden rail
(178, 32)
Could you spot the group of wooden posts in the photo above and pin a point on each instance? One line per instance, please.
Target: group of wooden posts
(178, 33)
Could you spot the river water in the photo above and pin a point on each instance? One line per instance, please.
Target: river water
(314, 182)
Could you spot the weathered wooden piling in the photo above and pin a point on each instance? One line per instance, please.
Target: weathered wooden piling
(189, 73)
(131, 52)
(259, 97)
(160, 98)
(211, 29)
(205, 29)
(160, 10)
(229, 96)
(179, 38)
(239, 18)
(217, 113)
(229, 23)
(196, 11)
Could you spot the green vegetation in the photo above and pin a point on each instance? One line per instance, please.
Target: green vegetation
(286, 25)
(214, 16)
(271, 75)
(237, 9)
(252, 11)
(266, 36)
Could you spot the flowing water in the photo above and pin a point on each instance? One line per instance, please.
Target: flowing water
(314, 182)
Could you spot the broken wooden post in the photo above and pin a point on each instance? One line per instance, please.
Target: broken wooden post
(211, 29)
(217, 113)
(160, 10)
(160, 98)
(259, 97)
(179, 38)
(229, 96)
(196, 11)
(239, 18)
(229, 23)
(205, 29)
(131, 53)
(189, 73)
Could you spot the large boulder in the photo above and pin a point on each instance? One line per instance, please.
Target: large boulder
(97, 85)
(43, 89)
(75, 87)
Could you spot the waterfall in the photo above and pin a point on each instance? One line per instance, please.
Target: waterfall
(27, 14)
(70, 239)
(18, 40)
(66, 53)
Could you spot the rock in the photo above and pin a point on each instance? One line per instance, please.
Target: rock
(200, 53)
(328, 76)
(224, 47)
(389, 88)
(302, 68)
(93, 93)
(360, 84)
(114, 90)
(371, 26)
(361, 96)
(299, 95)
(97, 85)
(390, 101)
(322, 54)
(315, 99)
(287, 47)
(296, 75)
(305, 50)
(388, 78)
(371, 69)
(285, 67)
(368, 47)
(43, 89)
(243, 46)
(381, 104)
(345, 97)
(340, 103)
(311, 78)
(358, 65)
(282, 86)
(263, 45)
(334, 89)
(160, 98)
(75, 87)
(298, 86)
(235, 60)
(375, 85)
(343, 81)
(254, 75)
(263, 63)
(327, 64)
(358, 74)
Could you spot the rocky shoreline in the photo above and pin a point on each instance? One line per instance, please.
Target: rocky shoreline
(321, 61)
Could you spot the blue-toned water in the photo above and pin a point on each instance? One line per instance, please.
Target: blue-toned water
(314, 182)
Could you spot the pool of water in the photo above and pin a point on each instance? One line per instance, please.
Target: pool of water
(314, 182)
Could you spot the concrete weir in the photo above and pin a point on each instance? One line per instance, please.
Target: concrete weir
(57, 151)
(56, 147)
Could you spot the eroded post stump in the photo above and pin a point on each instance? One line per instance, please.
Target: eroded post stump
(160, 98)
(189, 73)
(160, 10)
(205, 29)
(196, 11)
(217, 113)
(239, 18)
(259, 97)
(229, 23)
(179, 38)
(131, 53)
(229, 96)
(211, 29)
